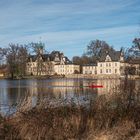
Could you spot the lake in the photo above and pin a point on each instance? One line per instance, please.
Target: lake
(14, 91)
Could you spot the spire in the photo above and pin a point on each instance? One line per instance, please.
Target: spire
(121, 54)
(122, 51)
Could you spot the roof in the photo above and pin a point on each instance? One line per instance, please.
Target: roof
(114, 55)
(55, 56)
(33, 57)
(87, 65)
(134, 61)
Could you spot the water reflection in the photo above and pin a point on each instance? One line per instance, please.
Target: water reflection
(14, 91)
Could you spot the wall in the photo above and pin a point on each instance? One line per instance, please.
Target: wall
(66, 69)
(108, 68)
(89, 70)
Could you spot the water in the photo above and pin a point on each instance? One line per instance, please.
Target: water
(14, 91)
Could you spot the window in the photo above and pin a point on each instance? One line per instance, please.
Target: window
(107, 64)
(34, 69)
(106, 70)
(100, 65)
(100, 70)
(95, 72)
(115, 70)
(110, 71)
(115, 64)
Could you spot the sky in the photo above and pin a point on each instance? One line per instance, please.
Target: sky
(69, 25)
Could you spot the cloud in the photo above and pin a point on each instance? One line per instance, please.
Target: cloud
(22, 13)
(74, 23)
(68, 38)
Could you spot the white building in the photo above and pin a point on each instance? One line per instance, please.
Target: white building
(89, 69)
(66, 69)
(109, 63)
(50, 64)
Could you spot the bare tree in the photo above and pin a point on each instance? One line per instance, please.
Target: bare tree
(15, 56)
(134, 51)
(22, 55)
(96, 47)
(12, 59)
(49, 68)
(77, 60)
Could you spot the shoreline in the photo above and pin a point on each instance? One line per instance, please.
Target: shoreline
(74, 76)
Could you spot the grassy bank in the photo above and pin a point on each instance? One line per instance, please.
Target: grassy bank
(110, 117)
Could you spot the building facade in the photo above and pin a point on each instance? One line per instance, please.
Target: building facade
(55, 63)
(110, 63)
(66, 69)
(89, 69)
(50, 64)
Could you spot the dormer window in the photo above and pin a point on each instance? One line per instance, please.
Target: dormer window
(121, 58)
(64, 59)
(108, 58)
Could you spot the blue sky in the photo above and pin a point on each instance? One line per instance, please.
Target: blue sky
(69, 25)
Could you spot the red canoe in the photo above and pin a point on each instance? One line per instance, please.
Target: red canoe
(95, 86)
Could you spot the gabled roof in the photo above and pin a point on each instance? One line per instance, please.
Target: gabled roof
(50, 57)
(114, 55)
(33, 57)
(46, 57)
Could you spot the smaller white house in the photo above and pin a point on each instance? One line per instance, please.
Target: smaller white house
(89, 69)
(66, 69)
(110, 63)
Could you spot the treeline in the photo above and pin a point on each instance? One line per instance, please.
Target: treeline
(15, 56)
(97, 47)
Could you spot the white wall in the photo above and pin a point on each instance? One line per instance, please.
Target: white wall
(108, 68)
(66, 69)
(89, 70)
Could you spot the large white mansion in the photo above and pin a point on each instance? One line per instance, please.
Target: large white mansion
(110, 63)
(50, 64)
